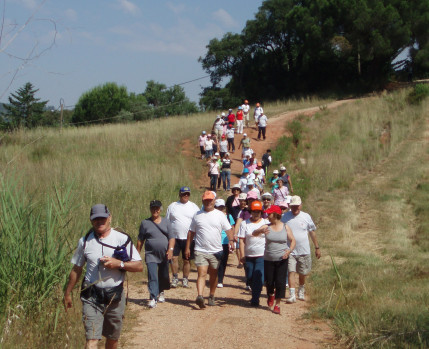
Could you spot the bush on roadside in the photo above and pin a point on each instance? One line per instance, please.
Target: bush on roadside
(418, 94)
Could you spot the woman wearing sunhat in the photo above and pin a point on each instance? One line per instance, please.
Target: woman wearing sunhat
(279, 243)
(252, 251)
(281, 193)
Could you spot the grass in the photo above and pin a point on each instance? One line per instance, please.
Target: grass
(369, 201)
(49, 180)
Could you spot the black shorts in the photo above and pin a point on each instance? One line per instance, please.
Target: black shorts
(181, 246)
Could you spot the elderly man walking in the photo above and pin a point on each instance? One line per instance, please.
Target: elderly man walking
(206, 227)
(108, 254)
(180, 214)
(300, 259)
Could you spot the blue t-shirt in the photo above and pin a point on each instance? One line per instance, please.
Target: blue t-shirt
(225, 239)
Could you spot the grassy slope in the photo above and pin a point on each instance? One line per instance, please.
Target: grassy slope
(52, 178)
(370, 203)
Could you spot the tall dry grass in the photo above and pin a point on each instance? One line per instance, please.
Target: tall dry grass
(49, 182)
(361, 190)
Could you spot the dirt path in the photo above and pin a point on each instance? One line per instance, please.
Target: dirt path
(231, 323)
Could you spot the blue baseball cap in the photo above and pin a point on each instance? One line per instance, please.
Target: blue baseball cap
(185, 190)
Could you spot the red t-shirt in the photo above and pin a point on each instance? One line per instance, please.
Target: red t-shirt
(231, 118)
(239, 115)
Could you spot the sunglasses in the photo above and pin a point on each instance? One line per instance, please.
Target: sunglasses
(185, 194)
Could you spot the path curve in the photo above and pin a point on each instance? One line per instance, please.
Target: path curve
(231, 323)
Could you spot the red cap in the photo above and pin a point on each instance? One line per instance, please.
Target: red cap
(273, 209)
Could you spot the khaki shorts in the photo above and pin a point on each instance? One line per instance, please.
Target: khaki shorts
(103, 320)
(203, 259)
(300, 264)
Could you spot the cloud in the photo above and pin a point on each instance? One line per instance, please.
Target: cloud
(71, 14)
(224, 18)
(128, 7)
(183, 37)
(176, 9)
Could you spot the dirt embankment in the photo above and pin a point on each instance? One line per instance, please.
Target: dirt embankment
(231, 323)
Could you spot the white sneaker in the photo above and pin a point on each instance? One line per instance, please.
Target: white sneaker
(287, 285)
(161, 297)
(301, 292)
(152, 303)
(185, 283)
(291, 299)
(219, 285)
(248, 288)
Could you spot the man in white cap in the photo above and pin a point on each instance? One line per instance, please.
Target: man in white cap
(300, 259)
(102, 294)
(206, 227)
(180, 214)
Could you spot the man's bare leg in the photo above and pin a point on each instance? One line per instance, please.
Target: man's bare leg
(201, 279)
(111, 344)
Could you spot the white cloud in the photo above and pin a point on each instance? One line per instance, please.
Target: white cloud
(176, 9)
(182, 38)
(128, 7)
(225, 18)
(71, 14)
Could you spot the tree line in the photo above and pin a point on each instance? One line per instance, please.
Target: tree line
(107, 103)
(296, 47)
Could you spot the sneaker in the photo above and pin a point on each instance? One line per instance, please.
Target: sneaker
(161, 297)
(270, 300)
(185, 283)
(276, 310)
(212, 301)
(200, 302)
(287, 285)
(240, 266)
(248, 288)
(291, 300)
(174, 283)
(152, 303)
(301, 292)
(219, 285)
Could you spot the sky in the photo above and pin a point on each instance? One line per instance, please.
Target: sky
(65, 48)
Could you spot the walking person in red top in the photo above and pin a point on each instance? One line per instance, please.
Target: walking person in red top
(239, 117)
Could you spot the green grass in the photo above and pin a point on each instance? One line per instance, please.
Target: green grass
(50, 179)
(370, 203)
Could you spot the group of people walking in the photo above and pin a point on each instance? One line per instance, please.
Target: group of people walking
(264, 227)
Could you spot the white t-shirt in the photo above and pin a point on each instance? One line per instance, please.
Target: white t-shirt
(208, 145)
(230, 133)
(258, 111)
(180, 216)
(300, 225)
(223, 146)
(219, 124)
(246, 108)
(214, 168)
(243, 184)
(254, 245)
(208, 228)
(262, 120)
(95, 270)
(202, 140)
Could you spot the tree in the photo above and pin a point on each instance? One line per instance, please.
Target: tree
(24, 109)
(308, 46)
(165, 101)
(101, 104)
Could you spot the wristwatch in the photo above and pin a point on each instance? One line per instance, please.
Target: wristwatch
(122, 265)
